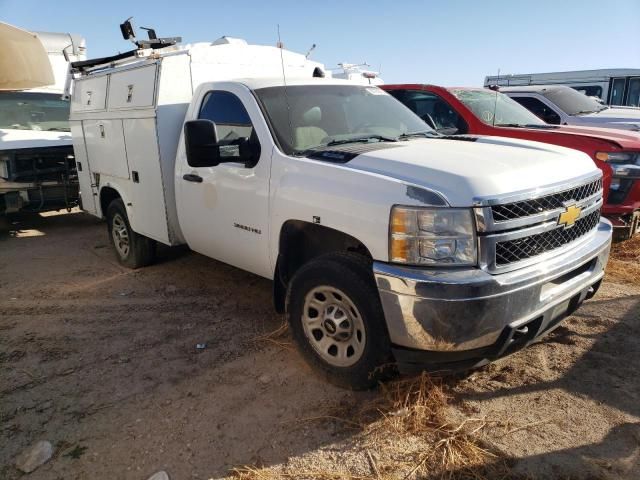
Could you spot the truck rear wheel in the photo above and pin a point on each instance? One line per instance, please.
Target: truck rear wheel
(337, 320)
(132, 250)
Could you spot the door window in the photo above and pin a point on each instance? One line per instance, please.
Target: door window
(233, 124)
(633, 97)
(435, 111)
(590, 90)
(617, 91)
(539, 109)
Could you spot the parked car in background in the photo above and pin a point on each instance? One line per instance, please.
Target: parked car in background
(560, 105)
(37, 164)
(480, 111)
(614, 86)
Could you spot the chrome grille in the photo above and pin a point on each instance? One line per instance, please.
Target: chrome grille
(535, 206)
(511, 251)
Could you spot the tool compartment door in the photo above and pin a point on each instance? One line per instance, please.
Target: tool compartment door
(87, 189)
(89, 94)
(147, 192)
(133, 88)
(105, 147)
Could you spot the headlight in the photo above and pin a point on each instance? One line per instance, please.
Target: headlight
(432, 236)
(623, 164)
(619, 157)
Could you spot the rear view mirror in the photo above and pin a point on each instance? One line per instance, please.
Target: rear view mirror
(201, 143)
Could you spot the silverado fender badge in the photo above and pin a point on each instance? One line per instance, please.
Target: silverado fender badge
(248, 229)
(569, 216)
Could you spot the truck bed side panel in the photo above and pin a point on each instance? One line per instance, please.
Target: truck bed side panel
(147, 193)
(174, 96)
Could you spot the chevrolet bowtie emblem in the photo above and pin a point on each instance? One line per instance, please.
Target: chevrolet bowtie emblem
(569, 216)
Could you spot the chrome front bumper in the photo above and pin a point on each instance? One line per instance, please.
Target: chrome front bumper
(451, 310)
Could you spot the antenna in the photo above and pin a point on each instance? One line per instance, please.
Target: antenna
(313, 47)
(284, 81)
(150, 32)
(495, 102)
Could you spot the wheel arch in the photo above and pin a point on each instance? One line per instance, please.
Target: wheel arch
(301, 241)
(107, 195)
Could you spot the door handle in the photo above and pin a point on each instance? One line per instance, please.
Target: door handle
(192, 177)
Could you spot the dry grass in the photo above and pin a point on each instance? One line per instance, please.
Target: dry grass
(628, 250)
(417, 407)
(277, 337)
(404, 433)
(624, 263)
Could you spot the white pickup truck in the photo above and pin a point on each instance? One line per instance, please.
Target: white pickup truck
(388, 244)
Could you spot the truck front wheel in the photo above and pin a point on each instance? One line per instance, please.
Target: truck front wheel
(337, 321)
(132, 250)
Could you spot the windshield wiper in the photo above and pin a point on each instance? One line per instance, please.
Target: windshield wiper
(362, 139)
(344, 141)
(425, 133)
(541, 126)
(512, 125)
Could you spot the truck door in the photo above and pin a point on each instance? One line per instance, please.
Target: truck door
(224, 210)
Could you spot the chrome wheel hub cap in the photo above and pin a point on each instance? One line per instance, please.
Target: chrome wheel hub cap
(333, 326)
(120, 235)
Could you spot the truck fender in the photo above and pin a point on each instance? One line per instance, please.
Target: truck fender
(301, 241)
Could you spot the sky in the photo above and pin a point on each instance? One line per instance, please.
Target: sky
(445, 42)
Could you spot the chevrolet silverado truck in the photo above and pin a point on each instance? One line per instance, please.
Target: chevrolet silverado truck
(479, 111)
(389, 245)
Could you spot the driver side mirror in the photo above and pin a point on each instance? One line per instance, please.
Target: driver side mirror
(201, 143)
(204, 149)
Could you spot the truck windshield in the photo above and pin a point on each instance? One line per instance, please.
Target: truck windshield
(495, 108)
(33, 111)
(571, 101)
(314, 116)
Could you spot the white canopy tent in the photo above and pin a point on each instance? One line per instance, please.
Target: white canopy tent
(23, 60)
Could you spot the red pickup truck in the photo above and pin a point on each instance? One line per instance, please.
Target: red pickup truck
(480, 111)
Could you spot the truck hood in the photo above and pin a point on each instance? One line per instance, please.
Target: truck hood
(627, 118)
(11, 139)
(625, 138)
(464, 170)
(615, 112)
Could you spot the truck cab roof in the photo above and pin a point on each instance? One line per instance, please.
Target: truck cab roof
(257, 83)
(536, 88)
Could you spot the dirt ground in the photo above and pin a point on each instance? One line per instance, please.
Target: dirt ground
(102, 362)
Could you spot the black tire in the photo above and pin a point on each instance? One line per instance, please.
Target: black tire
(351, 274)
(141, 250)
